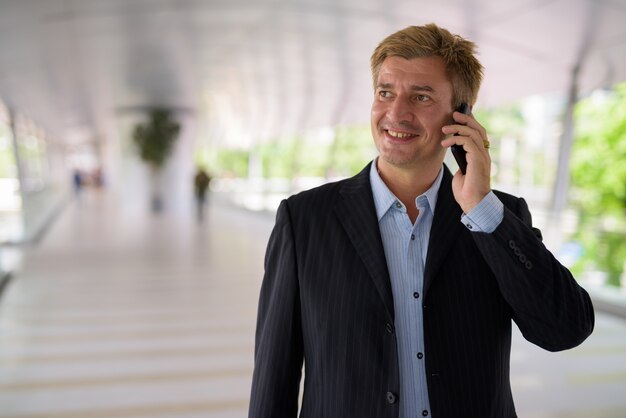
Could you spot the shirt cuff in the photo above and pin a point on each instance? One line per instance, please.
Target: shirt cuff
(486, 216)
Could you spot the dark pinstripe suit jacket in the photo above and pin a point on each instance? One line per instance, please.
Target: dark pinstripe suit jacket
(326, 299)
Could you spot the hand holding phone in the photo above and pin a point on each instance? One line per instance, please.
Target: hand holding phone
(457, 150)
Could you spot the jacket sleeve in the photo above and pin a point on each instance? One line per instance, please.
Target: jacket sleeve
(550, 308)
(278, 345)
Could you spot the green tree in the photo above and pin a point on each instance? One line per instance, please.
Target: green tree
(278, 157)
(353, 148)
(598, 169)
(232, 162)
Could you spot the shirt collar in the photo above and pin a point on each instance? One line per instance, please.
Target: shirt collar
(384, 198)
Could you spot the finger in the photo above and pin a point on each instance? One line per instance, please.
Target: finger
(467, 142)
(456, 130)
(463, 131)
(469, 120)
(461, 118)
(467, 132)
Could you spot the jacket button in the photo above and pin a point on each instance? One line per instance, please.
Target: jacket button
(389, 329)
(391, 398)
(528, 265)
(522, 258)
(512, 244)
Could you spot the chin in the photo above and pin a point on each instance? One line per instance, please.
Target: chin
(400, 161)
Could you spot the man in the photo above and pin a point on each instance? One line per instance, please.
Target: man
(396, 288)
(201, 183)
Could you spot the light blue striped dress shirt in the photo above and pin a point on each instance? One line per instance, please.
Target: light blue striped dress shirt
(406, 247)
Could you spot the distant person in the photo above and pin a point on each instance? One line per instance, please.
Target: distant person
(77, 181)
(397, 288)
(201, 185)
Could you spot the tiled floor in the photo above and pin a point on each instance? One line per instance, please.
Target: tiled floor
(119, 315)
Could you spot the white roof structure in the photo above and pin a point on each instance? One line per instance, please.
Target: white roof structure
(258, 69)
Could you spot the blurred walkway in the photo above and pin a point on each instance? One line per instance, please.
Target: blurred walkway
(116, 315)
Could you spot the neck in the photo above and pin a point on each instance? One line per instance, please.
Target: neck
(408, 182)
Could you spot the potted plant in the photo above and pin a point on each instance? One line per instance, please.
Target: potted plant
(154, 141)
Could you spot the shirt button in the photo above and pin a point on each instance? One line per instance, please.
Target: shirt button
(392, 398)
(469, 226)
(398, 205)
(416, 295)
(424, 413)
(420, 355)
(412, 237)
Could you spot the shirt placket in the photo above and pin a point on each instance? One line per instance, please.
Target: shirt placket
(416, 261)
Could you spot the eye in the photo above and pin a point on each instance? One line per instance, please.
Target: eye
(384, 94)
(422, 98)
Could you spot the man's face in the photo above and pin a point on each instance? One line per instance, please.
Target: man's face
(412, 101)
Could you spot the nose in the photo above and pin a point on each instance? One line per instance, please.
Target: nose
(401, 111)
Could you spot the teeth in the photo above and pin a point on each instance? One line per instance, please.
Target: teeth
(398, 134)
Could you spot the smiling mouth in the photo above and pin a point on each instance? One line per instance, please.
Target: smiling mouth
(399, 135)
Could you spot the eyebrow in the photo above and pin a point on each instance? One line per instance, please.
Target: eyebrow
(413, 88)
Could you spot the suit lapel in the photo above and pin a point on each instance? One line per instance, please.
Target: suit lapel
(357, 214)
(444, 230)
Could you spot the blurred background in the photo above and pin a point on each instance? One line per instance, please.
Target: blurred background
(145, 145)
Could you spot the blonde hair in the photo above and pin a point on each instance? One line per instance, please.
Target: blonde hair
(463, 68)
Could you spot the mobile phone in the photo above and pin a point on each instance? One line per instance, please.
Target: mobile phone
(457, 150)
